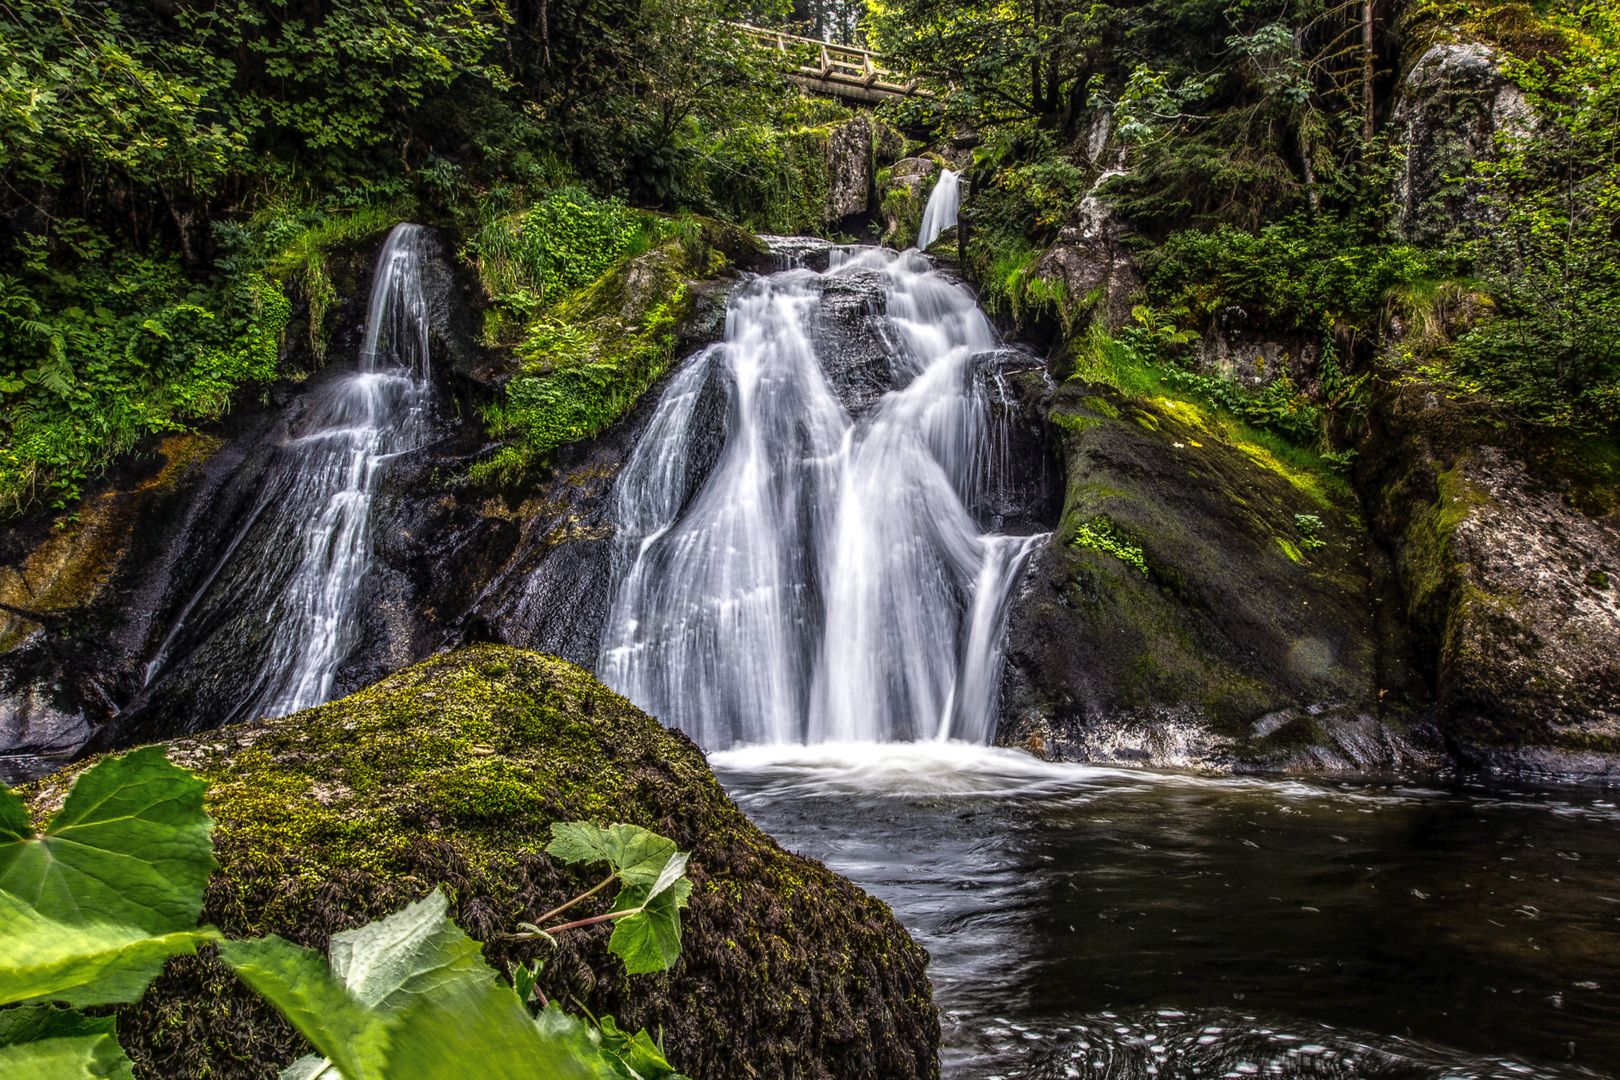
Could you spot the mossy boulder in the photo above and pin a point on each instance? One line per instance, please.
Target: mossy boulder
(449, 773)
(1507, 542)
(1202, 603)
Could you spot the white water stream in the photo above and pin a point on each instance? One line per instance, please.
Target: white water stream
(307, 576)
(826, 581)
(940, 213)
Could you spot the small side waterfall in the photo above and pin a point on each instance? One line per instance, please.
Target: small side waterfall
(827, 581)
(296, 565)
(940, 213)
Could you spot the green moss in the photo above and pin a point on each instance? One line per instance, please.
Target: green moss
(1101, 534)
(1289, 550)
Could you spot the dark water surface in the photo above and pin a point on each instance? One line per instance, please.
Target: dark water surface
(1092, 922)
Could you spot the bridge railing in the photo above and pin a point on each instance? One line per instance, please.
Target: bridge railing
(837, 69)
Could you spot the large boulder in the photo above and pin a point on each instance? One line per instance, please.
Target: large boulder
(1507, 544)
(1453, 104)
(1203, 603)
(450, 773)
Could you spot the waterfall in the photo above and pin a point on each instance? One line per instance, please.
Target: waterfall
(826, 580)
(296, 566)
(940, 213)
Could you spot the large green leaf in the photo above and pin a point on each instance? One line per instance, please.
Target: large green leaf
(14, 823)
(637, 1054)
(483, 1032)
(94, 964)
(132, 846)
(636, 854)
(649, 940)
(45, 1043)
(388, 963)
(298, 983)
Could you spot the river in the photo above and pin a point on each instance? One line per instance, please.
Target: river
(1111, 923)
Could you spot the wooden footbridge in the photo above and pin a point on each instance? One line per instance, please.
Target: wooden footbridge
(837, 70)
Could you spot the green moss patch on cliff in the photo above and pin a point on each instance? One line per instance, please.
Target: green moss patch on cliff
(587, 359)
(451, 773)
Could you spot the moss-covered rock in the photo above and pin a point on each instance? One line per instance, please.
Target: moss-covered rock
(450, 773)
(1507, 543)
(1203, 602)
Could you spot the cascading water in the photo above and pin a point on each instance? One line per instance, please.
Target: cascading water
(827, 580)
(310, 527)
(940, 213)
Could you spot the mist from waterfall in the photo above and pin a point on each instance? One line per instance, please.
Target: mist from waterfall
(940, 213)
(826, 581)
(311, 546)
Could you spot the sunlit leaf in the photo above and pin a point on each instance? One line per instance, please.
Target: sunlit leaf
(45, 1043)
(639, 856)
(84, 964)
(132, 845)
(649, 940)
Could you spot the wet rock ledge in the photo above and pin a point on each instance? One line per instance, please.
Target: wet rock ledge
(451, 772)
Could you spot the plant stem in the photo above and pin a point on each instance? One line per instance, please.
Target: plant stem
(611, 878)
(595, 919)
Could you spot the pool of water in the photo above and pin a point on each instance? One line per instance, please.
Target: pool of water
(1095, 922)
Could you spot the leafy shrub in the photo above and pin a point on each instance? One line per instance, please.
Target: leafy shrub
(1101, 534)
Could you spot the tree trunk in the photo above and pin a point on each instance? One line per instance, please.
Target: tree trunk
(1367, 71)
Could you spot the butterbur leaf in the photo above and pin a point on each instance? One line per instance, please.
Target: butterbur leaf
(636, 854)
(45, 1043)
(131, 846)
(637, 1053)
(14, 824)
(484, 1033)
(673, 871)
(412, 952)
(297, 982)
(649, 940)
(94, 964)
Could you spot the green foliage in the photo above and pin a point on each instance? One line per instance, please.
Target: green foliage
(45, 1043)
(654, 887)
(121, 346)
(1101, 534)
(1298, 273)
(1279, 407)
(564, 242)
(1310, 527)
(408, 997)
(1550, 251)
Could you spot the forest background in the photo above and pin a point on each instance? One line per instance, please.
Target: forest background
(171, 173)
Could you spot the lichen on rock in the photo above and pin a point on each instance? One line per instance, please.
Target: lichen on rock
(449, 773)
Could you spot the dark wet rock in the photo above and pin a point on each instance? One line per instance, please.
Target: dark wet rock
(1452, 106)
(450, 773)
(1210, 614)
(807, 252)
(1021, 491)
(1507, 545)
(851, 339)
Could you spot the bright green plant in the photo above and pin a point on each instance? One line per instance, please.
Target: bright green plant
(92, 908)
(1101, 534)
(1310, 527)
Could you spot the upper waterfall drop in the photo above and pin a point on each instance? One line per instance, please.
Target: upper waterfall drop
(943, 204)
(826, 580)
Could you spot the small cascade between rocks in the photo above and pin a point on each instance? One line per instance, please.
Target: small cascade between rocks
(826, 580)
(940, 213)
(294, 583)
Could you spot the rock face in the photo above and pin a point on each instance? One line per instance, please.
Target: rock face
(450, 773)
(1452, 105)
(1180, 614)
(911, 181)
(1092, 262)
(1508, 549)
(855, 150)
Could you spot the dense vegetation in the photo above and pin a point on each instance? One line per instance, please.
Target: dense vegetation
(169, 175)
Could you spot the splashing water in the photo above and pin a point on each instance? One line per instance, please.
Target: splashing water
(316, 507)
(826, 581)
(940, 213)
